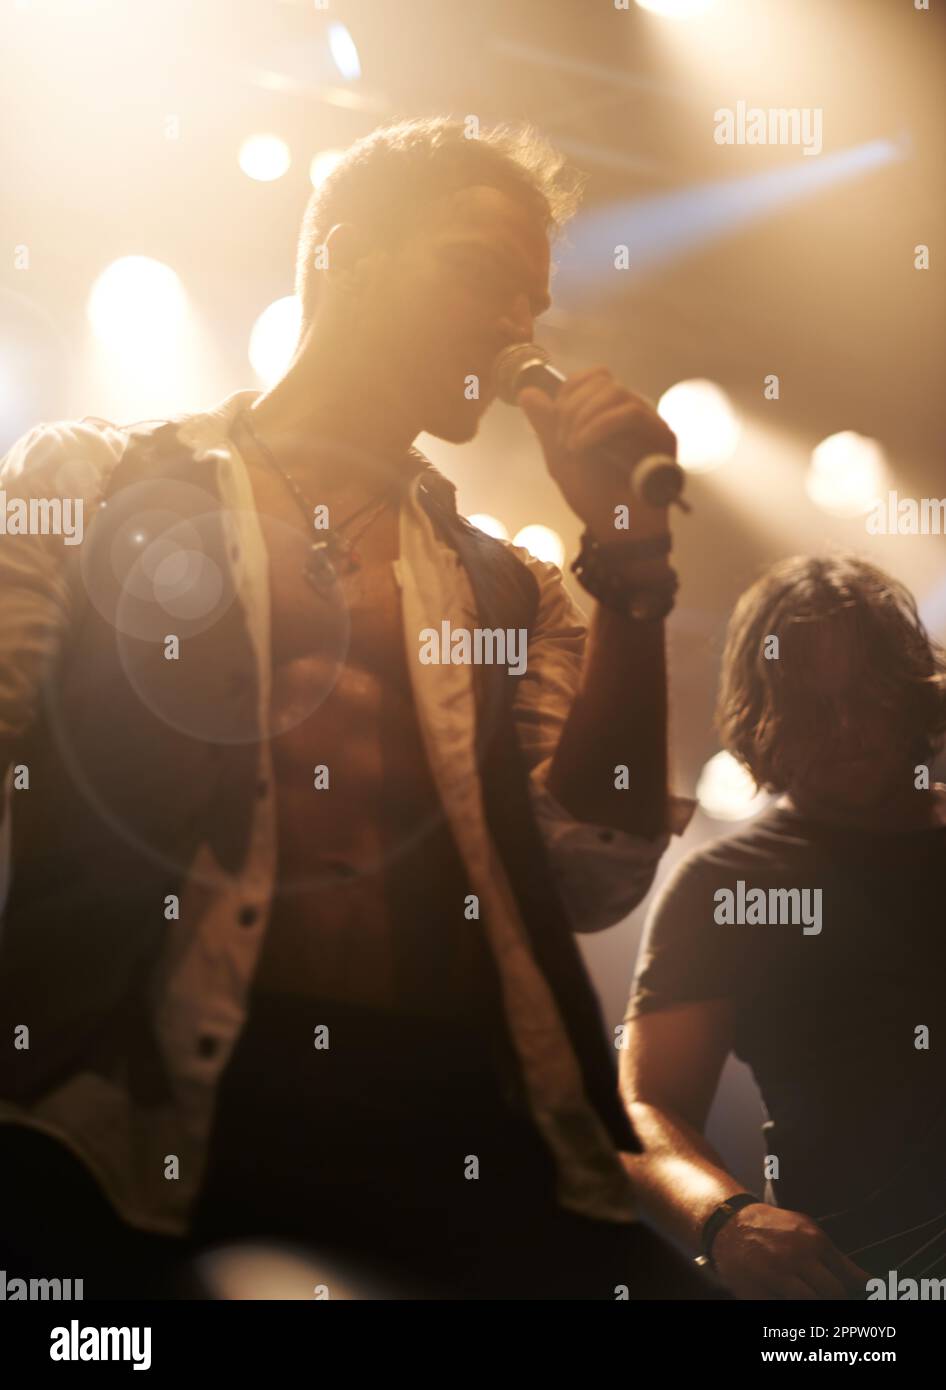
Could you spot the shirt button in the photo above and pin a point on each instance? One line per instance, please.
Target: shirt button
(248, 915)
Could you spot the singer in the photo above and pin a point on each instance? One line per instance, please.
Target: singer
(291, 924)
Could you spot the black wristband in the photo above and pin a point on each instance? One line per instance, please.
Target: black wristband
(644, 548)
(640, 593)
(717, 1220)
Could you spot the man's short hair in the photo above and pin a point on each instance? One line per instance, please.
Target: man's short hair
(385, 179)
(769, 710)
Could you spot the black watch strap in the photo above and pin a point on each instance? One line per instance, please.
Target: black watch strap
(717, 1220)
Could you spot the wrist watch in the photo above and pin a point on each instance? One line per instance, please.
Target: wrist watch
(716, 1221)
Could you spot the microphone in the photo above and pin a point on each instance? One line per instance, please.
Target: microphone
(657, 480)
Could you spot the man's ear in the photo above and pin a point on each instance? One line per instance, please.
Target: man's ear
(345, 245)
(358, 275)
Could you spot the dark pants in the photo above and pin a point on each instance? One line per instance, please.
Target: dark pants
(362, 1158)
(368, 1150)
(56, 1223)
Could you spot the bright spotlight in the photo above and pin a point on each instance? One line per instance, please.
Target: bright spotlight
(677, 9)
(135, 303)
(542, 542)
(264, 157)
(273, 338)
(846, 474)
(279, 1272)
(726, 790)
(490, 524)
(323, 164)
(700, 415)
(344, 52)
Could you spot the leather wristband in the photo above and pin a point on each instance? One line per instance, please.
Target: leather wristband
(717, 1220)
(621, 575)
(644, 548)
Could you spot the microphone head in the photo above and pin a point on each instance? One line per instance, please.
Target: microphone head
(510, 366)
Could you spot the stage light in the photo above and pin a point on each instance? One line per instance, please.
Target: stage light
(273, 338)
(676, 9)
(257, 1271)
(264, 157)
(701, 417)
(62, 9)
(846, 474)
(664, 229)
(726, 791)
(542, 542)
(490, 524)
(344, 53)
(323, 164)
(136, 303)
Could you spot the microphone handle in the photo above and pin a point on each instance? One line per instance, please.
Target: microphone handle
(657, 480)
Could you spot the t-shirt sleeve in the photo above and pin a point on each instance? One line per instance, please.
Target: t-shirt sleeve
(685, 954)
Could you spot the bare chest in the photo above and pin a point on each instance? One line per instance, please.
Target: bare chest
(354, 624)
(351, 854)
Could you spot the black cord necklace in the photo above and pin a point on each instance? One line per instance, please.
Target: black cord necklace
(333, 550)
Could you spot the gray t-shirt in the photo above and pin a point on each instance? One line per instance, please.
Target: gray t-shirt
(830, 1019)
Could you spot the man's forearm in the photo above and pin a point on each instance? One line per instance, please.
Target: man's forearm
(618, 719)
(679, 1179)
